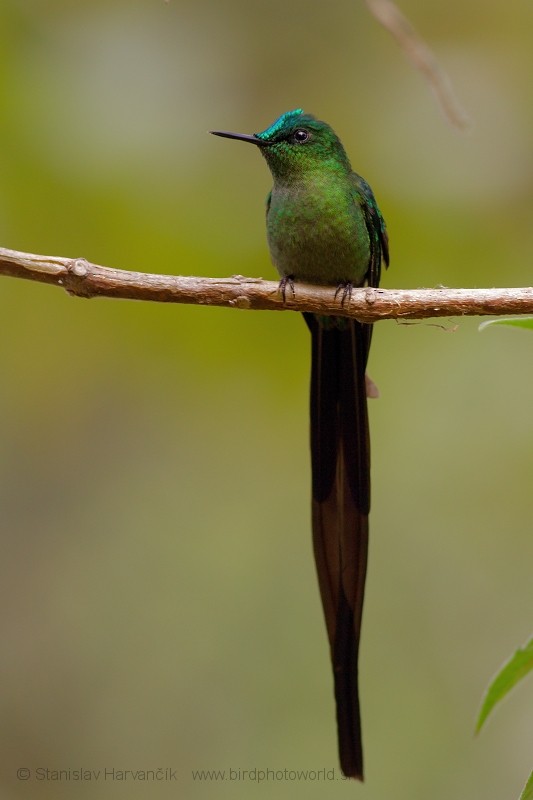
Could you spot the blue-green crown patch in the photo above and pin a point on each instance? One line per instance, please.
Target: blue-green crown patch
(282, 122)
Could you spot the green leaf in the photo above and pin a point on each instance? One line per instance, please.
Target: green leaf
(515, 322)
(527, 793)
(509, 675)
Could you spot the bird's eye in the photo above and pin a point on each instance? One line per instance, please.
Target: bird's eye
(300, 136)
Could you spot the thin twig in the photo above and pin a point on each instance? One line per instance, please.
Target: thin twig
(83, 279)
(421, 56)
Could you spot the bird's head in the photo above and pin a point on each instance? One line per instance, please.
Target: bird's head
(297, 144)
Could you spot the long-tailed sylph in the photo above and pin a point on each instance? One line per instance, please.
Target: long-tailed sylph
(324, 227)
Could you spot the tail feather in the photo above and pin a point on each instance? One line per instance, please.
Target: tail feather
(340, 455)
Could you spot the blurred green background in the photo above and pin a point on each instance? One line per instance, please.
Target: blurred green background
(160, 607)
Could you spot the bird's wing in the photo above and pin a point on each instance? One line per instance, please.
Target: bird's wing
(377, 230)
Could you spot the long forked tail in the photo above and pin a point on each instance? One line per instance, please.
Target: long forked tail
(340, 454)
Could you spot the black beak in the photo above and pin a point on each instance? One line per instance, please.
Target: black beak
(243, 137)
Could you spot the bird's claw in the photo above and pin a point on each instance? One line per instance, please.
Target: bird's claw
(287, 280)
(344, 289)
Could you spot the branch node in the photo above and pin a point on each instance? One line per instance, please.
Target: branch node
(79, 267)
(370, 296)
(241, 302)
(75, 282)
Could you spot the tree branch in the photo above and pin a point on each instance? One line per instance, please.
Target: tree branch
(83, 279)
(421, 56)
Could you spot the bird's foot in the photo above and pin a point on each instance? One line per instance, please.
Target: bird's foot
(345, 290)
(287, 280)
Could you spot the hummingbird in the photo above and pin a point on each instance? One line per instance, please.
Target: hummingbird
(324, 227)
